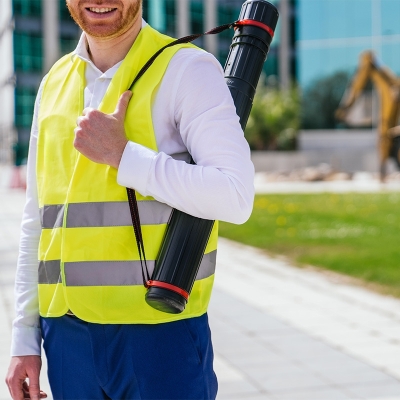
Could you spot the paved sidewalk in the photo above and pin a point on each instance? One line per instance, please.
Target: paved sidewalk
(362, 184)
(280, 333)
(294, 334)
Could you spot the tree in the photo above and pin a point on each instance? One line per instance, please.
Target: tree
(321, 99)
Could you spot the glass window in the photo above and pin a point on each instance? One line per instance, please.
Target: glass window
(67, 45)
(63, 10)
(27, 7)
(171, 23)
(271, 65)
(334, 19)
(197, 17)
(146, 10)
(390, 17)
(170, 15)
(316, 63)
(226, 14)
(390, 56)
(28, 54)
(24, 104)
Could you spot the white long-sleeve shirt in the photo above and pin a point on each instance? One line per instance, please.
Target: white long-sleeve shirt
(192, 111)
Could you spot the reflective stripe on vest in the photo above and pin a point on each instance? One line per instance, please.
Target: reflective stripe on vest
(102, 214)
(109, 273)
(52, 216)
(50, 272)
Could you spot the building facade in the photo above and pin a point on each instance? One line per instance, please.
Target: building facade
(7, 80)
(43, 31)
(331, 34)
(164, 15)
(330, 37)
(31, 56)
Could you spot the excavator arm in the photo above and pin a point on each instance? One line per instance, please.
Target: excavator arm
(388, 87)
(360, 79)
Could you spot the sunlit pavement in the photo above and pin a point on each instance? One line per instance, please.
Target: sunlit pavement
(364, 184)
(279, 332)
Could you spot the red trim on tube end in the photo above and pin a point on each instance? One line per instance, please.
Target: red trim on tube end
(255, 23)
(165, 285)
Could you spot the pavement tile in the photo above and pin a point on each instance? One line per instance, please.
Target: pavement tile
(348, 336)
(278, 371)
(390, 332)
(269, 334)
(293, 381)
(347, 364)
(386, 358)
(356, 376)
(325, 394)
(262, 396)
(375, 391)
(246, 349)
(236, 389)
(244, 361)
(225, 371)
(299, 343)
(260, 321)
(319, 357)
(394, 371)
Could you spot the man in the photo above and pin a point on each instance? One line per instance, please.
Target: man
(90, 139)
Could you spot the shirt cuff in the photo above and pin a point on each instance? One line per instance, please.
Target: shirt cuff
(134, 167)
(26, 342)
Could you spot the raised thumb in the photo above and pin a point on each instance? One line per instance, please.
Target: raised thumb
(122, 105)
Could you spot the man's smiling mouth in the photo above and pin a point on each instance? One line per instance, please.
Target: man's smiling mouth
(101, 10)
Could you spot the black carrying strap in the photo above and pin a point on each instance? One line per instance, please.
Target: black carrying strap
(185, 39)
(133, 207)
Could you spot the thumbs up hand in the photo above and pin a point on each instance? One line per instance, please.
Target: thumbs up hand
(101, 137)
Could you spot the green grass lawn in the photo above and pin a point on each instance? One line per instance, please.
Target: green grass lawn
(354, 234)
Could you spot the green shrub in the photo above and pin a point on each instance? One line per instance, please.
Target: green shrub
(274, 120)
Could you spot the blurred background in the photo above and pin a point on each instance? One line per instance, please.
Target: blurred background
(313, 58)
(324, 134)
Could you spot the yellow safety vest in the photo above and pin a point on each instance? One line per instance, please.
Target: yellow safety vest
(88, 258)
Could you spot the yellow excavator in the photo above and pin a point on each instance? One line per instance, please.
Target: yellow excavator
(387, 85)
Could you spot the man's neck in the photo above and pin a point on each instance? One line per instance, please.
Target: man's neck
(106, 52)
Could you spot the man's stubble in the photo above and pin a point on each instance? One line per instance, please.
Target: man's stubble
(129, 14)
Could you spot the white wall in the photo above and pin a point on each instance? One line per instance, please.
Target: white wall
(338, 139)
(344, 150)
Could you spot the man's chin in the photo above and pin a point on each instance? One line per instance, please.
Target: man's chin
(100, 32)
(106, 32)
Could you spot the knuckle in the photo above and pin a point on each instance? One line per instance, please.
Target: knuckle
(93, 113)
(10, 379)
(77, 144)
(78, 134)
(34, 387)
(83, 123)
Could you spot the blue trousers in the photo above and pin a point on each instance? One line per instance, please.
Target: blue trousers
(164, 361)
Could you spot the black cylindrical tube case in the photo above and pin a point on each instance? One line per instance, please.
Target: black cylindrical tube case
(187, 236)
(248, 52)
